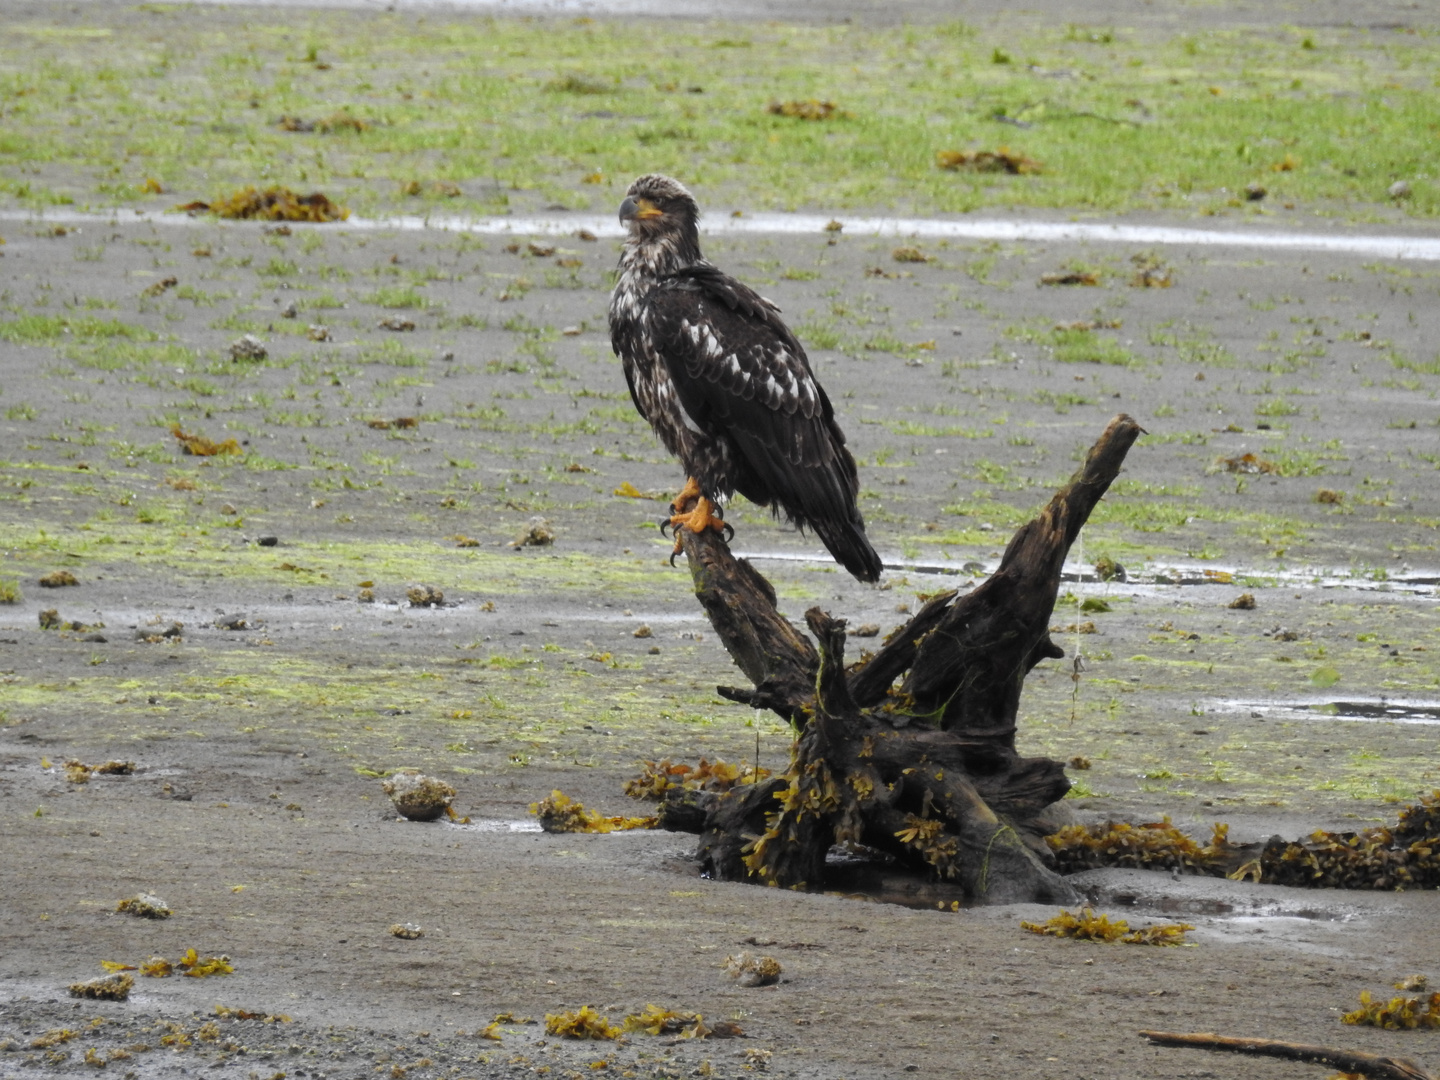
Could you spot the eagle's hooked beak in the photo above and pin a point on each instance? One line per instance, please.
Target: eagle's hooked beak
(638, 209)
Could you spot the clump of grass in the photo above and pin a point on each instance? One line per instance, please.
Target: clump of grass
(10, 591)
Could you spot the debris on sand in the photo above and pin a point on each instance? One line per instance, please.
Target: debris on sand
(1329, 496)
(77, 772)
(157, 967)
(158, 288)
(408, 931)
(340, 121)
(749, 970)
(424, 596)
(417, 796)
(145, 906)
(1000, 160)
(53, 1037)
(246, 1014)
(272, 204)
(1119, 843)
(559, 813)
(195, 966)
(583, 1023)
(234, 622)
(908, 254)
(50, 619)
(537, 534)
(110, 988)
(1150, 272)
(58, 579)
(1244, 463)
(1090, 324)
(805, 109)
(1413, 983)
(153, 635)
(248, 347)
(200, 446)
(1397, 1014)
(1071, 277)
(1108, 569)
(1087, 926)
(653, 1020)
(1244, 602)
(397, 323)
(381, 424)
(1404, 856)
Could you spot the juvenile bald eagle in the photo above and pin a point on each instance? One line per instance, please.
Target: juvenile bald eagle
(726, 385)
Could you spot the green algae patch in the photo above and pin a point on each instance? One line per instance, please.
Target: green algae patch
(1184, 117)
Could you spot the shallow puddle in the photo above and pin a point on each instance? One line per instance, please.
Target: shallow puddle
(1381, 710)
(495, 825)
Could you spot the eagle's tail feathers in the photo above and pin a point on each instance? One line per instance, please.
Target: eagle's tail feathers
(847, 541)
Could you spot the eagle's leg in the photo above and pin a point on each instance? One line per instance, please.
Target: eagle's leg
(703, 514)
(684, 502)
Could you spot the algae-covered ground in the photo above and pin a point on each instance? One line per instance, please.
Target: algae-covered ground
(1291, 454)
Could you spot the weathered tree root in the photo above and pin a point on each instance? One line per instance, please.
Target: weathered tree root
(1348, 1061)
(924, 771)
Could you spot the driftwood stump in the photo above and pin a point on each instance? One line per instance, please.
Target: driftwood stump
(909, 753)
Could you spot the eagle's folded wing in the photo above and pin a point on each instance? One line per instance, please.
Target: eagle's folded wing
(739, 371)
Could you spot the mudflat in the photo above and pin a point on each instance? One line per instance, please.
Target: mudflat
(434, 408)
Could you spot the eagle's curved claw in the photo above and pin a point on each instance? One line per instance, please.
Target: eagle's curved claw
(727, 531)
(674, 553)
(666, 525)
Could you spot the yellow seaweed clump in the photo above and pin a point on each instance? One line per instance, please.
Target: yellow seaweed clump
(1087, 926)
(658, 777)
(653, 1020)
(272, 204)
(583, 1023)
(200, 446)
(195, 966)
(1119, 843)
(77, 772)
(559, 813)
(1397, 1014)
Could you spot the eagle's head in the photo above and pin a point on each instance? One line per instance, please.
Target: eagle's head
(657, 206)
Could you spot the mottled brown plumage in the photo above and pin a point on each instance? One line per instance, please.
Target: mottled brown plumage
(723, 381)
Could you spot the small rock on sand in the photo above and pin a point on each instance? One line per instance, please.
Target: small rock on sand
(145, 906)
(417, 796)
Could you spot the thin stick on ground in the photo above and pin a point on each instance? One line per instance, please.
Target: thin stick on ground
(1350, 1061)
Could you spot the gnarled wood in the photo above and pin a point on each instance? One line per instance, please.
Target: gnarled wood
(1349, 1061)
(924, 771)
